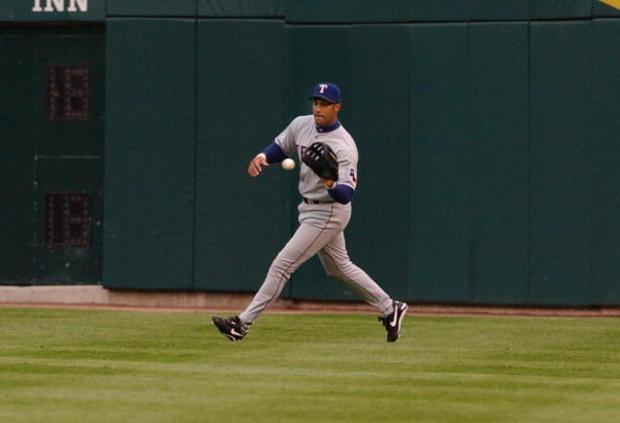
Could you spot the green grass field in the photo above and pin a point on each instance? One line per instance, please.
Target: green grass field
(111, 366)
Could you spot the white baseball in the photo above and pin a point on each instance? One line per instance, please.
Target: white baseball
(288, 164)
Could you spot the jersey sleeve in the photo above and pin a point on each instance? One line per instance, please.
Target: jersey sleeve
(347, 168)
(274, 153)
(286, 139)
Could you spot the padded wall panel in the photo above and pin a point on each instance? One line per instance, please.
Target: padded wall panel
(489, 10)
(440, 11)
(605, 153)
(374, 101)
(372, 97)
(309, 61)
(560, 9)
(359, 11)
(150, 139)
(241, 222)
(315, 53)
(560, 205)
(499, 167)
(346, 11)
(151, 8)
(241, 8)
(440, 96)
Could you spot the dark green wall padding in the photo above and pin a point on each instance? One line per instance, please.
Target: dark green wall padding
(156, 8)
(240, 222)
(497, 134)
(604, 153)
(414, 11)
(487, 131)
(560, 128)
(439, 162)
(150, 153)
(241, 8)
(487, 170)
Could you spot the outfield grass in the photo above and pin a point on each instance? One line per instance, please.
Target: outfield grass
(110, 366)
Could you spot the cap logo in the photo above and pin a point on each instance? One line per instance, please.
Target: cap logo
(327, 91)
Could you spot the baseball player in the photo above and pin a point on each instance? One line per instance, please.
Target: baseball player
(327, 182)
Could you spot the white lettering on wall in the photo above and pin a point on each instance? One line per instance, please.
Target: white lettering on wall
(59, 6)
(81, 4)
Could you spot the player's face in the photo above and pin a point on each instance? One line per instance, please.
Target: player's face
(325, 113)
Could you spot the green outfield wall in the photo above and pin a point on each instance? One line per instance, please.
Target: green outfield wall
(488, 134)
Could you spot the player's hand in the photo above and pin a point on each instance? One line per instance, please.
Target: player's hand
(256, 164)
(329, 184)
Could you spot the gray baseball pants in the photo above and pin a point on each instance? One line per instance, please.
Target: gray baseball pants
(320, 231)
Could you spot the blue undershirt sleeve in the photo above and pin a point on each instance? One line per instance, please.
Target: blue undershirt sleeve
(274, 153)
(341, 193)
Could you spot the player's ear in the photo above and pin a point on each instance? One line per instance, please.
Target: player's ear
(338, 107)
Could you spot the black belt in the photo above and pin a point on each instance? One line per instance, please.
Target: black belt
(308, 201)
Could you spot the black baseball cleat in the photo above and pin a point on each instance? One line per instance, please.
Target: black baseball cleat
(393, 321)
(231, 327)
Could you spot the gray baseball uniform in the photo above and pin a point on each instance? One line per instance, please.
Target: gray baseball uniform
(322, 222)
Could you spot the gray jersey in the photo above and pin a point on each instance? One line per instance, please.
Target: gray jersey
(299, 135)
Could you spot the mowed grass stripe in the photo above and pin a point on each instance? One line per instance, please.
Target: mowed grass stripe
(76, 365)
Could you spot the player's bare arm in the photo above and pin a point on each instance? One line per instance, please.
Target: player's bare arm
(256, 165)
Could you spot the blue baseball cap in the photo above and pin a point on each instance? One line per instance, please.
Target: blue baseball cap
(327, 91)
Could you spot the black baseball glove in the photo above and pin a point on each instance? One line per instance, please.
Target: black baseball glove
(322, 160)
